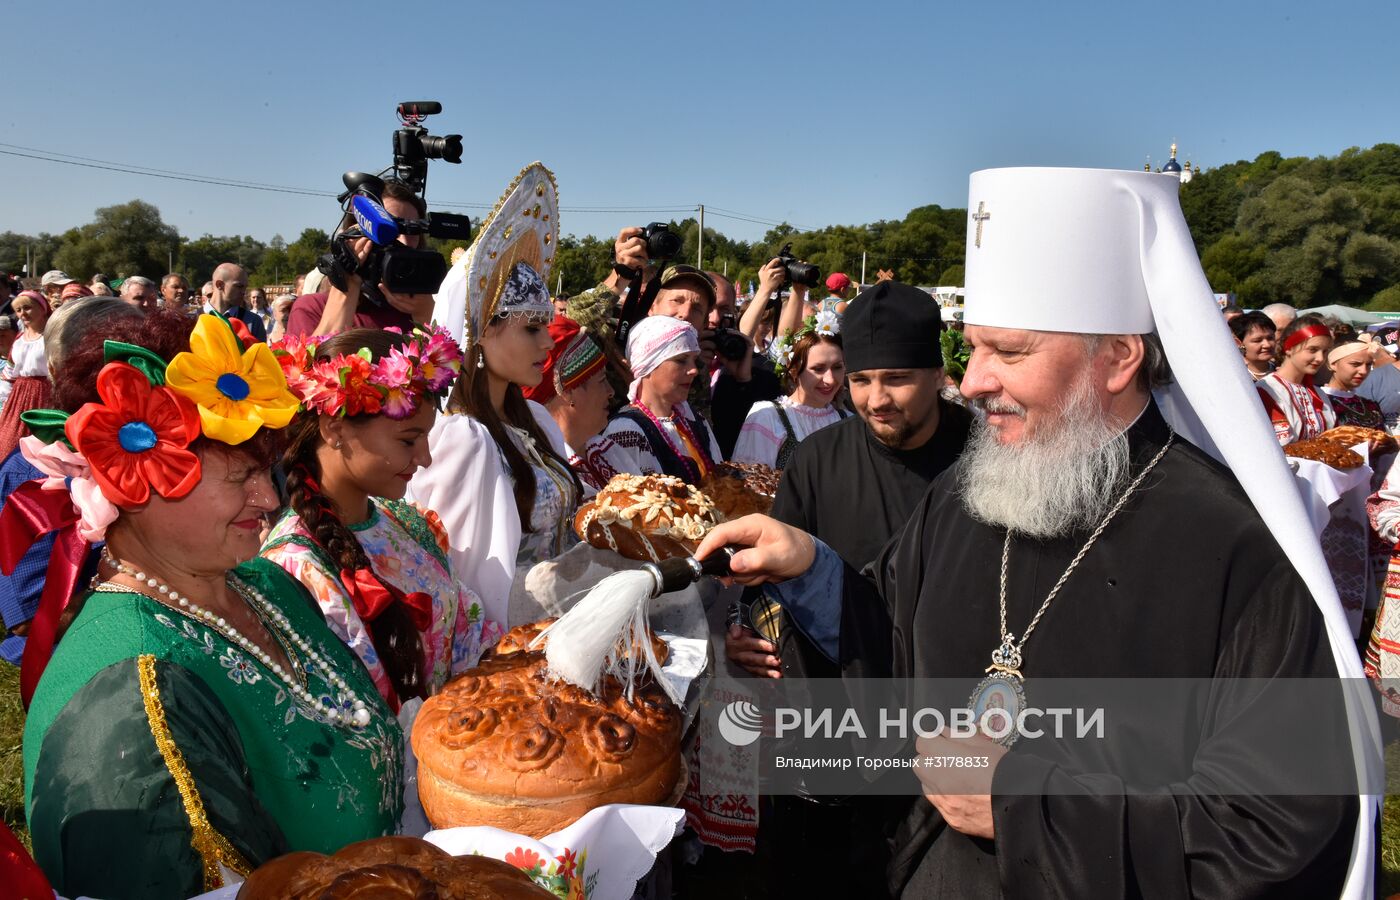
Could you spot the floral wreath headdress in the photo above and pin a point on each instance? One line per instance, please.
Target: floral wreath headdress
(353, 384)
(826, 323)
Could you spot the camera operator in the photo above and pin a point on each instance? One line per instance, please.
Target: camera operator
(337, 310)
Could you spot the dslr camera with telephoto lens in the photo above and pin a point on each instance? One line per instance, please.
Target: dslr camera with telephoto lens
(799, 272)
(401, 269)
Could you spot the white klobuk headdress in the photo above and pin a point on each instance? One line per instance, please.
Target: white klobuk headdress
(506, 269)
(1100, 251)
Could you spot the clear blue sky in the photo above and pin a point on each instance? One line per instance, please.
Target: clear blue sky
(815, 113)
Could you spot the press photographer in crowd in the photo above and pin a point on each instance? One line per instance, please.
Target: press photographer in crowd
(358, 306)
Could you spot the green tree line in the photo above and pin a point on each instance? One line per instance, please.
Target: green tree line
(1305, 231)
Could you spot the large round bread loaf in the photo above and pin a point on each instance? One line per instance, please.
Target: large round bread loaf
(503, 745)
(389, 868)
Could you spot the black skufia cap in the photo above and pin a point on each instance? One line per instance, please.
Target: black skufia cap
(892, 326)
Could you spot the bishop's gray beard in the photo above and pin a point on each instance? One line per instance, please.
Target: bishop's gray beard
(1053, 483)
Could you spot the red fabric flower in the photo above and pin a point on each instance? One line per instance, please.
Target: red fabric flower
(240, 330)
(137, 438)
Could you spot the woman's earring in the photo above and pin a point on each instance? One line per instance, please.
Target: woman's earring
(481, 359)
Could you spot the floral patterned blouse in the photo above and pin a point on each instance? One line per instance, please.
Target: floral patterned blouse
(407, 548)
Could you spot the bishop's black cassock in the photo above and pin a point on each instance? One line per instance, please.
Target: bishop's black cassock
(1188, 582)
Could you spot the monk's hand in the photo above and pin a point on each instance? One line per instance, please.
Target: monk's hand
(956, 774)
(751, 652)
(774, 551)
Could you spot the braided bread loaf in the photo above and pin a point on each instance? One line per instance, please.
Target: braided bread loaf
(647, 517)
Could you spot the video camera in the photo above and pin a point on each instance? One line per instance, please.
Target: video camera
(402, 269)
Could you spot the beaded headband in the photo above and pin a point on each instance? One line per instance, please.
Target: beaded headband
(354, 384)
(573, 359)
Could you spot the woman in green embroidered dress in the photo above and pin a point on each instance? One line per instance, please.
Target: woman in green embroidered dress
(197, 715)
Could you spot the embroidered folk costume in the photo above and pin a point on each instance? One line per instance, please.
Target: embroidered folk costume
(1352, 408)
(573, 360)
(773, 428)
(162, 745)
(1299, 412)
(406, 547)
(638, 441)
(502, 275)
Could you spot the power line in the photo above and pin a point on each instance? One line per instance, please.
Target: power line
(88, 162)
(113, 167)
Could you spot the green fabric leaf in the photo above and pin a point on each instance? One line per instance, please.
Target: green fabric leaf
(47, 424)
(146, 361)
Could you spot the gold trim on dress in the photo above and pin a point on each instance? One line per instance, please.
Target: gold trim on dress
(213, 848)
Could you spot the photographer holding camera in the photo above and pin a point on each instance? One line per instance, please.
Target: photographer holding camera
(682, 292)
(358, 307)
(739, 383)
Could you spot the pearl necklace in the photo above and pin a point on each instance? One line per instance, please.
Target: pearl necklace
(357, 718)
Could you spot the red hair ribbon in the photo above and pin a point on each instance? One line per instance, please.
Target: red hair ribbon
(30, 513)
(372, 596)
(1305, 334)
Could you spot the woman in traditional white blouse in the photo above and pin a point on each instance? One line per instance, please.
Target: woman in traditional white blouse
(499, 479)
(657, 433)
(815, 366)
(1299, 411)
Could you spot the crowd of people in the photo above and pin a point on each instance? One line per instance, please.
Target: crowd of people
(283, 522)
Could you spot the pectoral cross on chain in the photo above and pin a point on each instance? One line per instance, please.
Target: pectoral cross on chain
(980, 216)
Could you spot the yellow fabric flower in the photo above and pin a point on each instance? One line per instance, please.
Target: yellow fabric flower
(237, 391)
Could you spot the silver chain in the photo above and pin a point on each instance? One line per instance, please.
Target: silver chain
(1009, 653)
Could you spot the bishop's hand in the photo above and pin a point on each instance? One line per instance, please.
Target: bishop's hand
(956, 775)
(774, 551)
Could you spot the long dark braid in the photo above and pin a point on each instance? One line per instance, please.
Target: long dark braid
(397, 641)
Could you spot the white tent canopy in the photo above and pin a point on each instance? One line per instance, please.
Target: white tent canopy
(1350, 314)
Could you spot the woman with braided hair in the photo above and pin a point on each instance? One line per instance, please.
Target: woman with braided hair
(377, 566)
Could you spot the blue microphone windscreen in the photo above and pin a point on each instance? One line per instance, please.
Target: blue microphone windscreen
(374, 220)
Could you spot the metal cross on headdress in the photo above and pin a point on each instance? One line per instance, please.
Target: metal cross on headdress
(980, 216)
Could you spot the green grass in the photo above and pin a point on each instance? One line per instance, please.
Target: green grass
(12, 783)
(1390, 825)
(11, 759)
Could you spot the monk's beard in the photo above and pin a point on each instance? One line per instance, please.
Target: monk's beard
(1060, 480)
